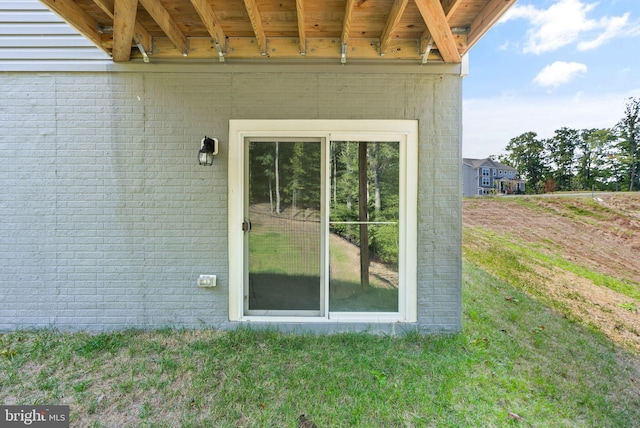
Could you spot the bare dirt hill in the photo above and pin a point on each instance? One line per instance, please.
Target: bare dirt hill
(601, 234)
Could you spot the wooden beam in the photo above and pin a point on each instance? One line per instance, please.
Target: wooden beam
(433, 15)
(210, 21)
(346, 29)
(346, 23)
(256, 23)
(392, 23)
(426, 40)
(166, 23)
(140, 34)
(489, 15)
(124, 18)
(302, 35)
(288, 48)
(77, 18)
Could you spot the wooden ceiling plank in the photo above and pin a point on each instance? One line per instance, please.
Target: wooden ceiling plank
(301, 27)
(209, 20)
(77, 18)
(124, 18)
(433, 15)
(485, 20)
(392, 23)
(166, 23)
(256, 23)
(450, 6)
(140, 34)
(106, 6)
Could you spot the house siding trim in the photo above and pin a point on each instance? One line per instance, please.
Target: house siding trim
(32, 38)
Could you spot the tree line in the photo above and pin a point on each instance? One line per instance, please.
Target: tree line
(580, 159)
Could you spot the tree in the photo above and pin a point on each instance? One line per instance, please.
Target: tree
(304, 187)
(363, 210)
(561, 151)
(526, 154)
(629, 133)
(611, 167)
(593, 149)
(267, 161)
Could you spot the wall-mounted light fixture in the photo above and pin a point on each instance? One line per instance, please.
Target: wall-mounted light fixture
(208, 149)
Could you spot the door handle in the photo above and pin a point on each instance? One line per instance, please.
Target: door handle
(246, 226)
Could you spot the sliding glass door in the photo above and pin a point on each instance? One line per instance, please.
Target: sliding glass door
(322, 220)
(363, 224)
(284, 227)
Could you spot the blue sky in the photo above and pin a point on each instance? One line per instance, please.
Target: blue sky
(548, 64)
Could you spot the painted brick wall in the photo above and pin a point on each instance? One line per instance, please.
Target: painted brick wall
(107, 220)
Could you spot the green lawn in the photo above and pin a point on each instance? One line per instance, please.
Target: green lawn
(517, 362)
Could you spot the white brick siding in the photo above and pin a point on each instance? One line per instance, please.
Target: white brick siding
(107, 219)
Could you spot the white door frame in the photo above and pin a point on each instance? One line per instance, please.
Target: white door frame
(405, 131)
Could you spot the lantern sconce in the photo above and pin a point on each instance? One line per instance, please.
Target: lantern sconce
(208, 149)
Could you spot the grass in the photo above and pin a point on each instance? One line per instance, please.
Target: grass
(503, 255)
(585, 209)
(517, 362)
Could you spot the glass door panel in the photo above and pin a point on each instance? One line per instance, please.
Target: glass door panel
(364, 226)
(284, 228)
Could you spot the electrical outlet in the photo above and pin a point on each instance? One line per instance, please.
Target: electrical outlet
(207, 281)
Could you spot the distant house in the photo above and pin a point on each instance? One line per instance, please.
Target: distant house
(489, 177)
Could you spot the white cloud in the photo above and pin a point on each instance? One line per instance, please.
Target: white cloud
(565, 23)
(504, 46)
(613, 27)
(559, 73)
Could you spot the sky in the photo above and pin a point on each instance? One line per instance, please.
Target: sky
(549, 64)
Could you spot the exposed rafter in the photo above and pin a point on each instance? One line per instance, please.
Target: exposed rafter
(168, 25)
(77, 18)
(392, 23)
(434, 17)
(140, 35)
(209, 20)
(364, 30)
(124, 20)
(346, 23)
(256, 23)
(346, 29)
(489, 15)
(302, 35)
(426, 41)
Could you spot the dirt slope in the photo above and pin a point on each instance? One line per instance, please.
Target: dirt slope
(602, 234)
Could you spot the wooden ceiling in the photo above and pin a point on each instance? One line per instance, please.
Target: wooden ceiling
(340, 30)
